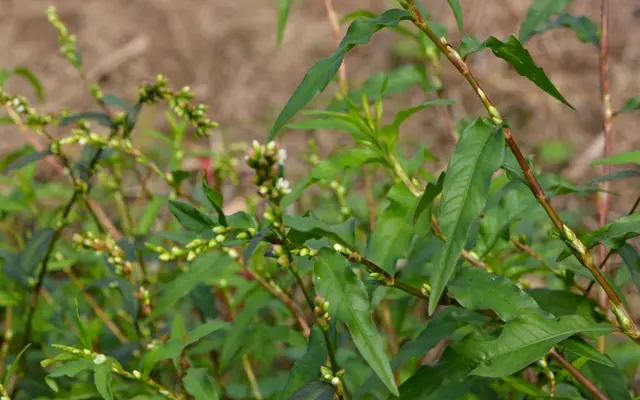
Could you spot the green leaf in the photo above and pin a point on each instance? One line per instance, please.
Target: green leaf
(200, 384)
(36, 249)
(469, 45)
(215, 200)
(614, 176)
(516, 55)
(631, 259)
(525, 387)
(347, 297)
(203, 269)
(465, 189)
(26, 159)
(477, 289)
(564, 303)
(539, 13)
(116, 101)
(149, 218)
(72, 368)
(390, 132)
(608, 379)
(284, 6)
(190, 217)
(85, 338)
(305, 370)
(99, 117)
(321, 74)
(630, 157)
(174, 347)
(31, 78)
(522, 341)
(317, 229)
(583, 27)
(582, 349)
(102, 380)
(428, 196)
(613, 235)
(631, 105)
(457, 11)
(14, 366)
(318, 390)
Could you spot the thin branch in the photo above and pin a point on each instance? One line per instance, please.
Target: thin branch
(569, 237)
(335, 27)
(575, 372)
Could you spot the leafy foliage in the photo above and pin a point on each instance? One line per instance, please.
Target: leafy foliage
(371, 277)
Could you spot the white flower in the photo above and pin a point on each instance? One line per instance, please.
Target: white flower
(99, 359)
(137, 374)
(283, 186)
(282, 156)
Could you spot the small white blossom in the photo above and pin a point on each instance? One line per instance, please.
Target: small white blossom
(99, 359)
(282, 156)
(164, 392)
(283, 186)
(136, 374)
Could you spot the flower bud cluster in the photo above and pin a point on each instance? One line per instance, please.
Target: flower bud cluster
(305, 252)
(198, 246)
(66, 40)
(180, 103)
(145, 300)
(266, 161)
(29, 115)
(109, 247)
(321, 312)
(334, 379)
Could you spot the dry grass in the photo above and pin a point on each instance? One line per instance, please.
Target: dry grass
(225, 51)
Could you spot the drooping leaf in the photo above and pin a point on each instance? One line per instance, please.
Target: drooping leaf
(72, 368)
(465, 189)
(539, 13)
(204, 268)
(172, 348)
(102, 380)
(610, 380)
(321, 74)
(32, 79)
(26, 159)
(629, 157)
(99, 117)
(631, 259)
(284, 6)
(457, 11)
(348, 302)
(613, 235)
(583, 27)
(631, 105)
(516, 55)
(200, 384)
(477, 289)
(190, 217)
(582, 349)
(305, 370)
(522, 341)
(114, 100)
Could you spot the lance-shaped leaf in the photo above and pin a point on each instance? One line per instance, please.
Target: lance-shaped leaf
(516, 55)
(631, 105)
(476, 157)
(200, 384)
(608, 379)
(190, 217)
(539, 13)
(306, 369)
(631, 259)
(522, 341)
(629, 157)
(583, 349)
(477, 289)
(457, 12)
(318, 77)
(284, 6)
(582, 26)
(348, 302)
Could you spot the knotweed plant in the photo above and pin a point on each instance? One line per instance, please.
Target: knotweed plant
(369, 278)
